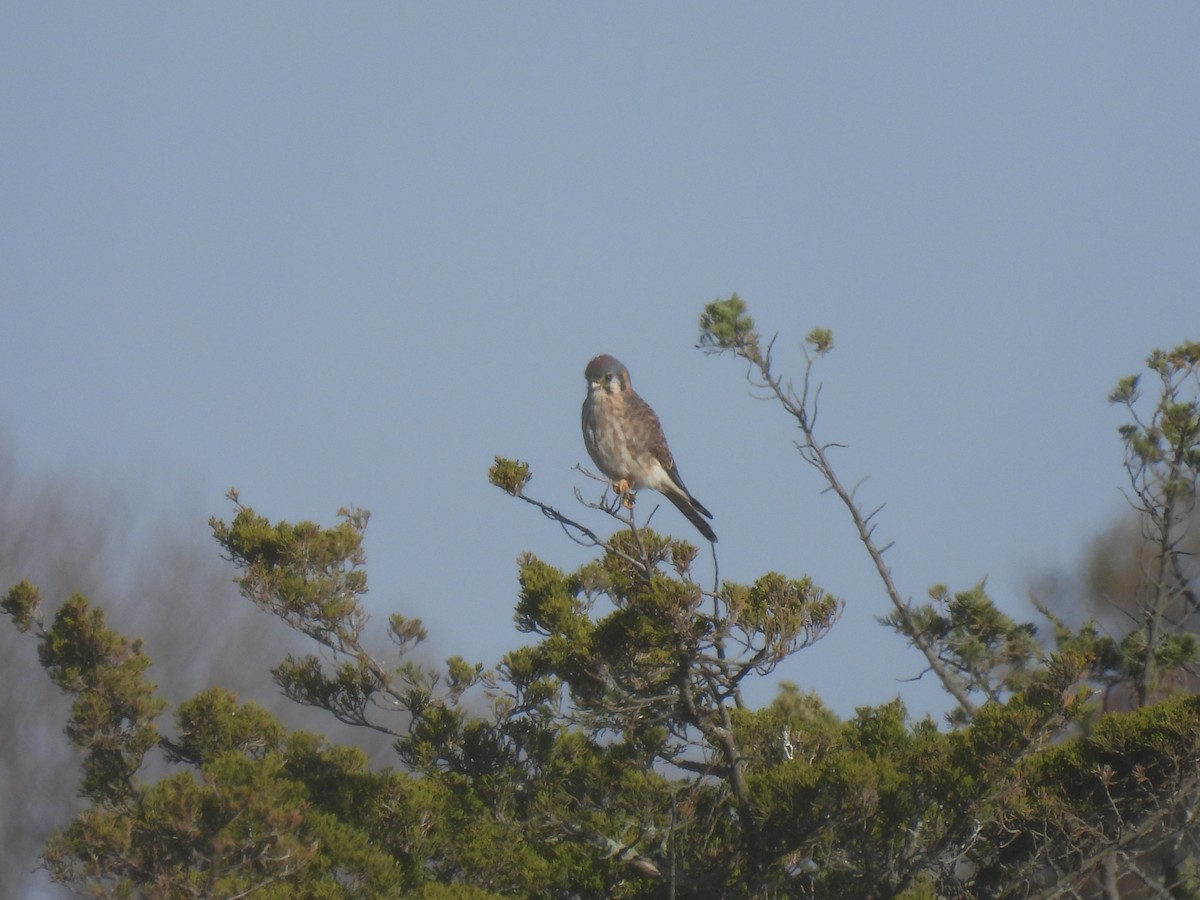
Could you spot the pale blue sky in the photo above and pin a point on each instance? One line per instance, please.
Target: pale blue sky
(347, 253)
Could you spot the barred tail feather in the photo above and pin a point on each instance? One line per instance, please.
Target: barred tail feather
(694, 512)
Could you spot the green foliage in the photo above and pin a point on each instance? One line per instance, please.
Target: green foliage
(114, 711)
(509, 475)
(310, 577)
(983, 649)
(213, 723)
(1163, 444)
(725, 325)
(820, 339)
(784, 613)
(22, 603)
(291, 819)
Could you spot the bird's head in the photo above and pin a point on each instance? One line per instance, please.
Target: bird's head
(606, 376)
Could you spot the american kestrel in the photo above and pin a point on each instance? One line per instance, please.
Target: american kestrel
(626, 441)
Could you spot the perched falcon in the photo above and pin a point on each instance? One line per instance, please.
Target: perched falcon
(624, 439)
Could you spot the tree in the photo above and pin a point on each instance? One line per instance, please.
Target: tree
(615, 756)
(1162, 460)
(137, 555)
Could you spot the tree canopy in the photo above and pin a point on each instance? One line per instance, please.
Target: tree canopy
(614, 754)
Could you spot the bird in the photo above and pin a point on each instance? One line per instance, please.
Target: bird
(626, 442)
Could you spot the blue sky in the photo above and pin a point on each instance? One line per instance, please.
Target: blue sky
(347, 253)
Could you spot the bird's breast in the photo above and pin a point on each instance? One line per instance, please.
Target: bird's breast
(607, 439)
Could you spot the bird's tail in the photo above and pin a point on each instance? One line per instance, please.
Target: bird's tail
(695, 513)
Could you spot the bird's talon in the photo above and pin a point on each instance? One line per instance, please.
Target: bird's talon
(624, 492)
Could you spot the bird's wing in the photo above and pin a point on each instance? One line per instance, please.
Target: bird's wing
(646, 431)
(644, 423)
